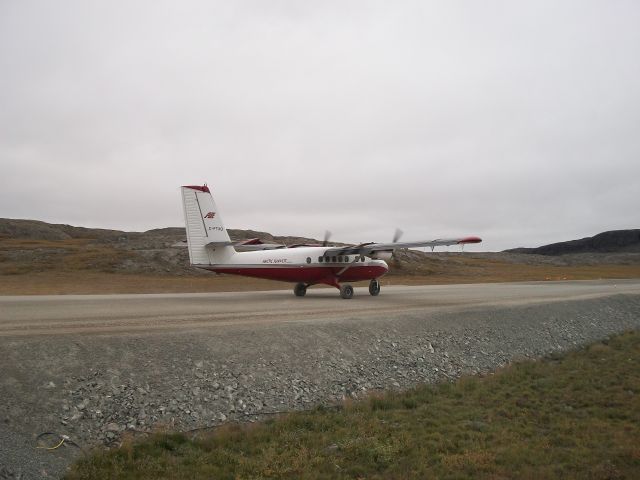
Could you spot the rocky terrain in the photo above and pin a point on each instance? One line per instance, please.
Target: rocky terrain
(29, 246)
(606, 242)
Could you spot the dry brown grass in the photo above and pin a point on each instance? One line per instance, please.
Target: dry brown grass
(35, 256)
(60, 283)
(90, 282)
(488, 271)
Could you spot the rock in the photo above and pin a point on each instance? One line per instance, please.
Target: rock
(113, 427)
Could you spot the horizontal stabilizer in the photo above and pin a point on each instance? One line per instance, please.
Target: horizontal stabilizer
(220, 244)
(241, 246)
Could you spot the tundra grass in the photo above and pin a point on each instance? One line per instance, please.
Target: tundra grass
(570, 416)
(60, 282)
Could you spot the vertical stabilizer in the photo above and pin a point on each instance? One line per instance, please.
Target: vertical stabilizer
(204, 227)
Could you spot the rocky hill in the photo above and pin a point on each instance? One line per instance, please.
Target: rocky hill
(37, 230)
(28, 246)
(606, 242)
(31, 246)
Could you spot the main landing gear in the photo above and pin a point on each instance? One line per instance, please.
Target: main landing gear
(300, 290)
(346, 290)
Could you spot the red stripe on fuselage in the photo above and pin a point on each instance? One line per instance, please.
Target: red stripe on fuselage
(305, 274)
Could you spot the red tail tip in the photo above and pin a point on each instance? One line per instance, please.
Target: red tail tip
(203, 188)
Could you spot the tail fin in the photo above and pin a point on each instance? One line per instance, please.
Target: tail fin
(208, 240)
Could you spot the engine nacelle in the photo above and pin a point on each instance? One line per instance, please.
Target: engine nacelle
(382, 255)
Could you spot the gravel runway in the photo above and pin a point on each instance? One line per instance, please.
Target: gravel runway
(92, 314)
(94, 367)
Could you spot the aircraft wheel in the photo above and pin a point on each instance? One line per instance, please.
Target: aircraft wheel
(346, 291)
(374, 287)
(300, 290)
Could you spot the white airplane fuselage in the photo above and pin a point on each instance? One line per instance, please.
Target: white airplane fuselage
(308, 265)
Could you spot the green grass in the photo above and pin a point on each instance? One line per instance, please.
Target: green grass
(570, 416)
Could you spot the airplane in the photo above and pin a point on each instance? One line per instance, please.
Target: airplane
(211, 248)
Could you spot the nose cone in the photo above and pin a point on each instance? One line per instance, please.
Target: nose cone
(380, 264)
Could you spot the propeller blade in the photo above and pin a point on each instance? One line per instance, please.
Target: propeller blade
(327, 236)
(396, 261)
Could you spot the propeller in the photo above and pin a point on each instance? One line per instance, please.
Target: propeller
(396, 236)
(327, 236)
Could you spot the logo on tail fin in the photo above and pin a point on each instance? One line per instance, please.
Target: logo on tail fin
(210, 215)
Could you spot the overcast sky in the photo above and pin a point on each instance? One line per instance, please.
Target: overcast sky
(515, 121)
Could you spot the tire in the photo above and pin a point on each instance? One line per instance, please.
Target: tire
(374, 287)
(300, 290)
(346, 291)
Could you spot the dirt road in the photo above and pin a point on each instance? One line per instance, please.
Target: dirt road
(95, 314)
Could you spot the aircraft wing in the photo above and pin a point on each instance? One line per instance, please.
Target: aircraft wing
(369, 248)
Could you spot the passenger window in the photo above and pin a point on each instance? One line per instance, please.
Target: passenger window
(308, 259)
(339, 258)
(362, 258)
(320, 259)
(346, 259)
(333, 259)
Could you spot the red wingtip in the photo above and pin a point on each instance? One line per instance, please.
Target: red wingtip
(203, 188)
(470, 240)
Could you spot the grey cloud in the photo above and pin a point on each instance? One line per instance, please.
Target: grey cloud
(514, 121)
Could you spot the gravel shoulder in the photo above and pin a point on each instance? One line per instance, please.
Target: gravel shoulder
(95, 388)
